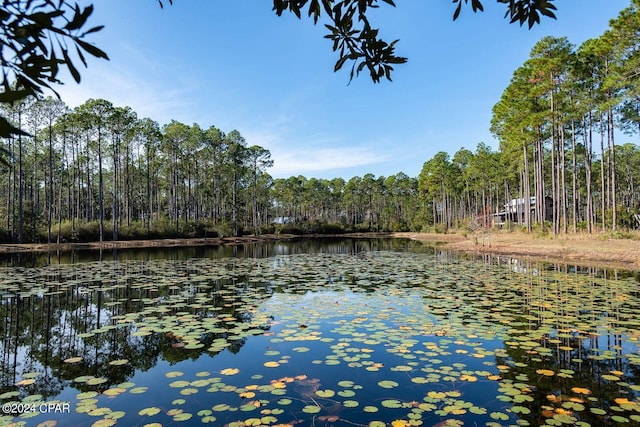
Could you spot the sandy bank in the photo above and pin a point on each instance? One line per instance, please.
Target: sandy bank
(580, 249)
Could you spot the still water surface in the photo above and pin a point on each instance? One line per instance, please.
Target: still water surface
(313, 333)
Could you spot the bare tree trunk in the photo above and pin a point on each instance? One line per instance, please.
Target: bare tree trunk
(612, 167)
(50, 182)
(11, 191)
(114, 190)
(554, 179)
(574, 182)
(149, 203)
(100, 185)
(35, 189)
(603, 186)
(234, 207)
(20, 184)
(588, 154)
(60, 186)
(563, 181)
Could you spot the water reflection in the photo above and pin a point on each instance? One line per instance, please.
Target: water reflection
(477, 342)
(248, 250)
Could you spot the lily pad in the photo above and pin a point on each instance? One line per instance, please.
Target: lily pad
(388, 384)
(151, 411)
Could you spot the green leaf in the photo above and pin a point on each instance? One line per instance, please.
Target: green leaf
(456, 14)
(7, 129)
(154, 410)
(388, 384)
(79, 18)
(325, 393)
(91, 49)
(72, 69)
(11, 96)
(311, 409)
(93, 30)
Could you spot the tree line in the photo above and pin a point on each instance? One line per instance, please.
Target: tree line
(98, 169)
(99, 172)
(558, 123)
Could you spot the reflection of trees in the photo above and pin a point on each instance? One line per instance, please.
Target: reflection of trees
(90, 311)
(568, 317)
(80, 310)
(245, 250)
(578, 322)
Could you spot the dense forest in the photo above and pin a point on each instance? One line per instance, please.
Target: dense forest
(99, 172)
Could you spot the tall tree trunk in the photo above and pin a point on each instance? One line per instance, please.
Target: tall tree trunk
(149, 205)
(61, 185)
(50, 183)
(11, 191)
(603, 186)
(255, 200)
(612, 167)
(35, 189)
(554, 180)
(574, 181)
(114, 190)
(588, 155)
(563, 181)
(234, 207)
(100, 185)
(20, 184)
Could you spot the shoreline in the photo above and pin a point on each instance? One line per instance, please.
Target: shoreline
(593, 250)
(12, 248)
(579, 249)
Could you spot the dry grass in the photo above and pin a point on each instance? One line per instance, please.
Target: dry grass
(431, 237)
(586, 249)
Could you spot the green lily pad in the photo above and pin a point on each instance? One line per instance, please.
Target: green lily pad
(325, 393)
(96, 381)
(391, 403)
(151, 411)
(311, 409)
(388, 384)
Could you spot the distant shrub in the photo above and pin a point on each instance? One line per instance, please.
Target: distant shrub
(541, 230)
(134, 231)
(620, 234)
(314, 227)
(440, 228)
(329, 228)
(223, 229)
(86, 232)
(426, 229)
(396, 225)
(268, 229)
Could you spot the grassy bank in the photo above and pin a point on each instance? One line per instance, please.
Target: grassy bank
(604, 249)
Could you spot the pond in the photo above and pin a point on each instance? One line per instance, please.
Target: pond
(316, 333)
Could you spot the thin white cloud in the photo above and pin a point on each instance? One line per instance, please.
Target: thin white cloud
(303, 161)
(127, 91)
(316, 153)
(135, 86)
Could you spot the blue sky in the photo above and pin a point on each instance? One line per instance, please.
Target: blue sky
(236, 65)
